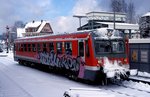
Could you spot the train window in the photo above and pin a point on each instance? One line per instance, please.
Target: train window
(29, 47)
(38, 47)
(44, 47)
(87, 48)
(33, 48)
(21, 47)
(102, 46)
(81, 49)
(18, 45)
(59, 48)
(51, 46)
(118, 46)
(24, 47)
(68, 48)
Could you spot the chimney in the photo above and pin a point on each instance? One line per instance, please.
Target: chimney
(41, 21)
(33, 21)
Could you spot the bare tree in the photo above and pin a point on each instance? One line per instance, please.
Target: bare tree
(13, 30)
(115, 5)
(17, 24)
(118, 6)
(131, 13)
(124, 6)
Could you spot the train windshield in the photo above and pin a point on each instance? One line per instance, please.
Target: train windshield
(108, 41)
(118, 46)
(109, 46)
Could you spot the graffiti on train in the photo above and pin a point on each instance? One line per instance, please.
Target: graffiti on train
(61, 61)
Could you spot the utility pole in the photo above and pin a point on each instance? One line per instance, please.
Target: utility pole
(114, 20)
(7, 38)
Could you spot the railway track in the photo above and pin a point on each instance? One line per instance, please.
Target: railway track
(121, 90)
(122, 85)
(140, 79)
(129, 88)
(120, 93)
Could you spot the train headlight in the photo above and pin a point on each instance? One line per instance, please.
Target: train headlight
(125, 60)
(100, 61)
(120, 63)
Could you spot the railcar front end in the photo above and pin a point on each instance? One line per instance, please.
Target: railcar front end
(110, 56)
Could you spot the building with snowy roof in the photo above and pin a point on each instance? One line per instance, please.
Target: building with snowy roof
(106, 19)
(35, 28)
(144, 23)
(139, 54)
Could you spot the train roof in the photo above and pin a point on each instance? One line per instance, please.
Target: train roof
(102, 33)
(57, 36)
(51, 35)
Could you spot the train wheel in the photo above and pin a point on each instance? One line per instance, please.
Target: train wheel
(25, 63)
(105, 81)
(72, 76)
(32, 64)
(20, 62)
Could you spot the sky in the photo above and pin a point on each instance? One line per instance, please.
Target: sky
(58, 12)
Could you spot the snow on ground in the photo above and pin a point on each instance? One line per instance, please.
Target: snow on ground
(87, 92)
(29, 82)
(137, 85)
(144, 74)
(4, 54)
(134, 72)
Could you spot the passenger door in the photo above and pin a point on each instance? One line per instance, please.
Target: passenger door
(81, 49)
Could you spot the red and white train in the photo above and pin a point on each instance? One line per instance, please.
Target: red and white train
(86, 55)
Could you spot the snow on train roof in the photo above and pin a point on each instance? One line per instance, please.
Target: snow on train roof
(54, 34)
(147, 40)
(106, 33)
(103, 33)
(29, 37)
